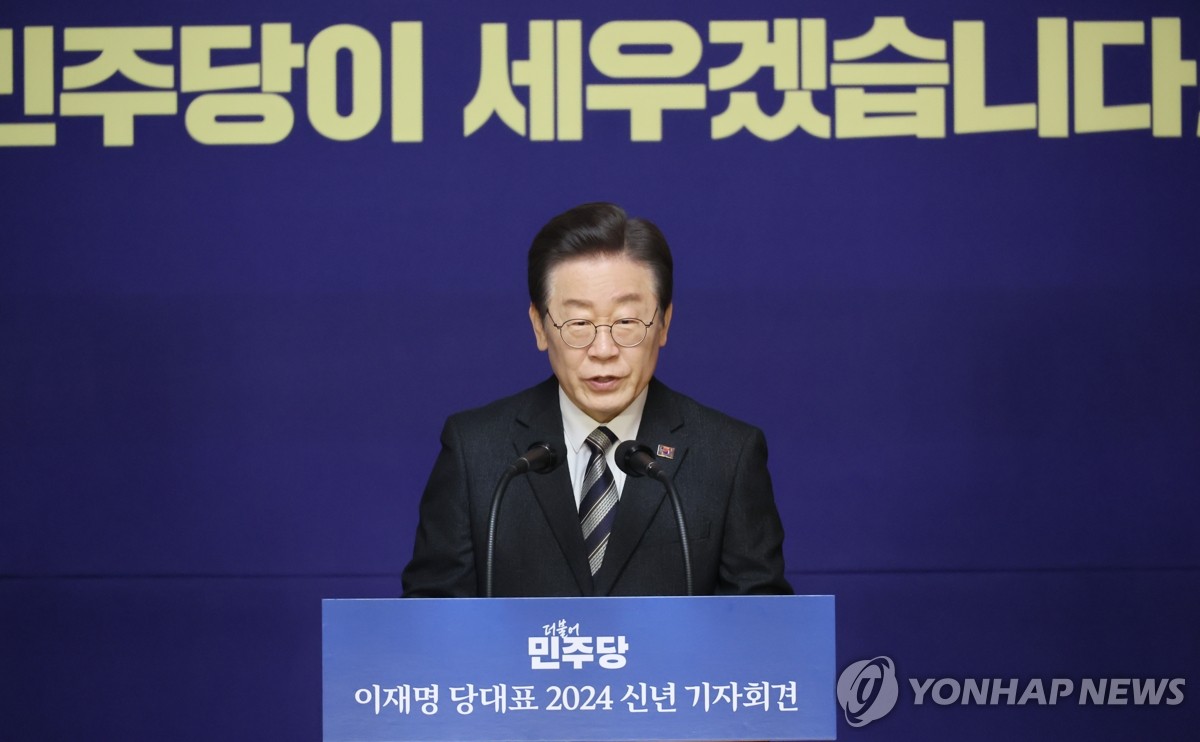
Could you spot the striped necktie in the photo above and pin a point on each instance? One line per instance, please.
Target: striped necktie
(598, 508)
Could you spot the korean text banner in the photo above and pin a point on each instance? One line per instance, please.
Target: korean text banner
(586, 668)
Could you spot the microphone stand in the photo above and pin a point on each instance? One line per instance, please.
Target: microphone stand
(541, 458)
(636, 460)
(683, 537)
(497, 496)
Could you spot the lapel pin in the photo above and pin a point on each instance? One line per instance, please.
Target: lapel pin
(665, 452)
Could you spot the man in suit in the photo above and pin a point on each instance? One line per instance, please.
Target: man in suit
(600, 288)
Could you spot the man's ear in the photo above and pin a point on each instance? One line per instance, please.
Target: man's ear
(539, 328)
(666, 325)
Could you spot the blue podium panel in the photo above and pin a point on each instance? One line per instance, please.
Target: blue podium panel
(712, 668)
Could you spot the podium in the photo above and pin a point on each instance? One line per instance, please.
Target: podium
(653, 668)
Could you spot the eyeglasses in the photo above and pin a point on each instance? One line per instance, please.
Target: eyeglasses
(628, 332)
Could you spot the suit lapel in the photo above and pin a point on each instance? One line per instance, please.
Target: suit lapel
(641, 497)
(541, 422)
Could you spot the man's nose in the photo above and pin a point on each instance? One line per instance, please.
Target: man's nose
(603, 346)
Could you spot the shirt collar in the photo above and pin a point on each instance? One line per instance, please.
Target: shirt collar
(577, 426)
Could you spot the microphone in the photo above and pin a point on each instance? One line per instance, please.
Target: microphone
(540, 458)
(635, 460)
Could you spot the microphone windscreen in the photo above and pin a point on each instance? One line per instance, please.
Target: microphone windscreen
(633, 458)
(543, 458)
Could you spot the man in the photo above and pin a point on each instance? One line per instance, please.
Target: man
(600, 304)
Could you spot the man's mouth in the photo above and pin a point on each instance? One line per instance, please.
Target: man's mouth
(602, 383)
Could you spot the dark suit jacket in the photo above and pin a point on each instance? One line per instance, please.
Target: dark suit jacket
(719, 469)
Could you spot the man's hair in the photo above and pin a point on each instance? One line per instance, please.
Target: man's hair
(594, 230)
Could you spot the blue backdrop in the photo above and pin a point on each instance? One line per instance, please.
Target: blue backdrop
(224, 366)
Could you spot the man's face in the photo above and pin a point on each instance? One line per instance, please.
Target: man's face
(603, 378)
